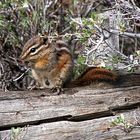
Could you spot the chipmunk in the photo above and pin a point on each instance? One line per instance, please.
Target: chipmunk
(52, 66)
(47, 63)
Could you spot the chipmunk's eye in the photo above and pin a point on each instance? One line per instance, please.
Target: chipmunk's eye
(32, 50)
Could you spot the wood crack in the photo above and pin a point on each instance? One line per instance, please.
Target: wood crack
(110, 112)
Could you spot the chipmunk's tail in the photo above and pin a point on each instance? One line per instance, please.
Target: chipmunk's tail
(96, 75)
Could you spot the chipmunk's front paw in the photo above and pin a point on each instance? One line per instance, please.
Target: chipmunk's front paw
(57, 90)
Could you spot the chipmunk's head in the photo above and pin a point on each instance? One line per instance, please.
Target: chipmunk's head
(35, 49)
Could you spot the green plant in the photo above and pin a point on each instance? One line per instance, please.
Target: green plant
(79, 66)
(15, 133)
(122, 122)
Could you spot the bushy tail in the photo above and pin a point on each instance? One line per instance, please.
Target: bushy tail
(96, 75)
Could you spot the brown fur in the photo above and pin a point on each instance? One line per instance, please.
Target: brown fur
(94, 74)
(47, 63)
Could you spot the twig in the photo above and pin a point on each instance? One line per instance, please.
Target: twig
(124, 56)
(95, 47)
(134, 35)
(16, 79)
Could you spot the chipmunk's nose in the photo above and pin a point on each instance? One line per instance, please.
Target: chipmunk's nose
(22, 61)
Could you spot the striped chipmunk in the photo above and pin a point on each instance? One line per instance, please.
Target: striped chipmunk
(51, 64)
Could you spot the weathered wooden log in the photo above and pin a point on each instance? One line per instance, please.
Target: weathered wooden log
(96, 129)
(32, 107)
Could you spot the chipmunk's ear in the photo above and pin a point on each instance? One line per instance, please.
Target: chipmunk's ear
(45, 40)
(44, 36)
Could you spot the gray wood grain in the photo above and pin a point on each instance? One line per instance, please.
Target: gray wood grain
(96, 129)
(21, 108)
